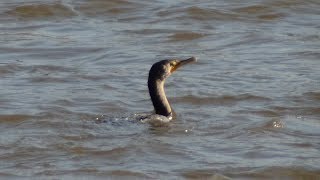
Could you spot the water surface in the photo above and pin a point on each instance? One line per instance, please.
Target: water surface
(249, 109)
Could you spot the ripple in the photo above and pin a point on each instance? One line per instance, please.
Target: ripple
(197, 13)
(51, 68)
(9, 68)
(41, 70)
(126, 173)
(151, 31)
(280, 173)
(262, 12)
(271, 16)
(285, 3)
(36, 11)
(91, 173)
(14, 118)
(209, 14)
(47, 79)
(114, 153)
(183, 36)
(298, 110)
(111, 7)
(301, 145)
(264, 113)
(254, 9)
(313, 95)
(220, 100)
(204, 174)
(308, 54)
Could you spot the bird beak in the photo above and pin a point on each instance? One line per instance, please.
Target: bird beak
(183, 62)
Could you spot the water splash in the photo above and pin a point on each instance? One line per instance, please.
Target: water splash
(154, 119)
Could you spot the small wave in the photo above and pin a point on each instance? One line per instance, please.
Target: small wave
(50, 68)
(220, 100)
(38, 73)
(209, 14)
(300, 145)
(9, 68)
(271, 16)
(264, 113)
(279, 173)
(42, 69)
(313, 95)
(306, 104)
(48, 79)
(303, 110)
(197, 13)
(14, 118)
(88, 173)
(36, 11)
(204, 174)
(285, 3)
(127, 174)
(110, 7)
(151, 31)
(254, 9)
(261, 12)
(183, 36)
(110, 153)
(308, 54)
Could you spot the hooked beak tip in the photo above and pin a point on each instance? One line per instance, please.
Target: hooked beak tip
(192, 59)
(188, 61)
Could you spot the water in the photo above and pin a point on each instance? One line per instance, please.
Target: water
(249, 109)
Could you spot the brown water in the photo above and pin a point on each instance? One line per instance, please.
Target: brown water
(249, 109)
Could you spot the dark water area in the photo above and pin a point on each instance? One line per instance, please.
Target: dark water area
(73, 77)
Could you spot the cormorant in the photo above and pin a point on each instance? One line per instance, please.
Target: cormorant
(158, 73)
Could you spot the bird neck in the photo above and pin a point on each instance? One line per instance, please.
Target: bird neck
(158, 97)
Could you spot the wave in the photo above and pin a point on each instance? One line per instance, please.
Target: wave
(110, 7)
(183, 36)
(261, 12)
(36, 11)
(197, 13)
(37, 73)
(263, 113)
(294, 172)
(219, 100)
(14, 118)
(313, 95)
(209, 14)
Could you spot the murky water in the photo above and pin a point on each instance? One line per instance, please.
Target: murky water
(249, 109)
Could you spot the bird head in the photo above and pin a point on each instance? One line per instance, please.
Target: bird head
(163, 69)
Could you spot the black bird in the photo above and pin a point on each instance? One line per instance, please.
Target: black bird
(158, 73)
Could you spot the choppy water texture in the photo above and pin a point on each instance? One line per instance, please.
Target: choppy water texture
(73, 75)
